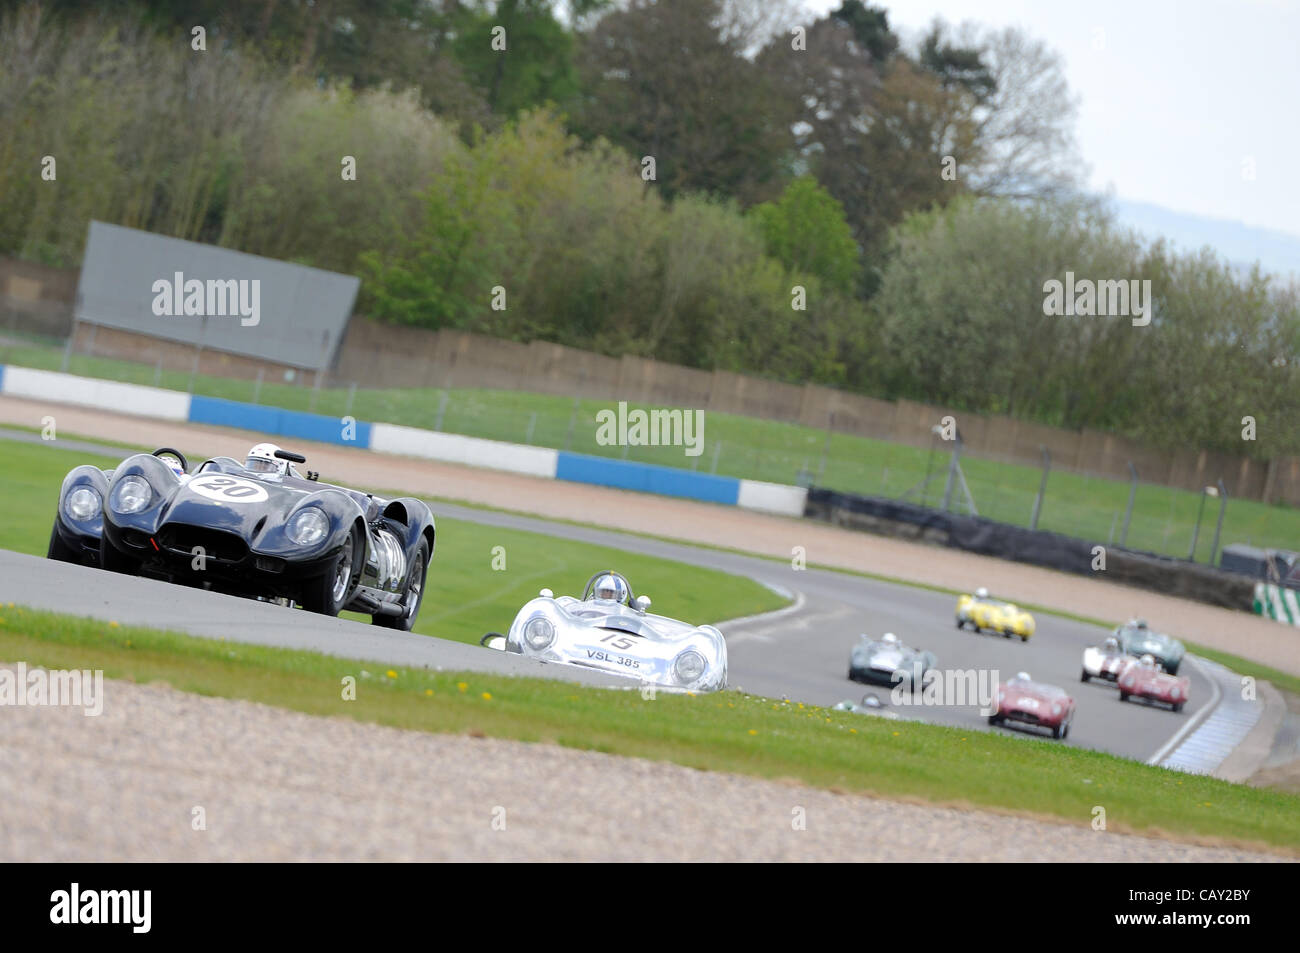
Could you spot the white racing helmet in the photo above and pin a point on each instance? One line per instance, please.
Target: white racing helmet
(610, 587)
(981, 593)
(890, 638)
(262, 459)
(1022, 677)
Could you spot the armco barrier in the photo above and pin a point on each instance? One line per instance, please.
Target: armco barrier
(406, 441)
(471, 451)
(1164, 574)
(131, 399)
(273, 420)
(647, 478)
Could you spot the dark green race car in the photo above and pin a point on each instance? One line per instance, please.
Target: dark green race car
(1137, 639)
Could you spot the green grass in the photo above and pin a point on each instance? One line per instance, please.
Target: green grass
(723, 732)
(464, 596)
(1077, 505)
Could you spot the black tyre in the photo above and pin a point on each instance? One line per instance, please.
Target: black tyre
(1178, 706)
(1084, 676)
(995, 719)
(329, 592)
(59, 549)
(412, 596)
(961, 623)
(1123, 696)
(1024, 638)
(114, 560)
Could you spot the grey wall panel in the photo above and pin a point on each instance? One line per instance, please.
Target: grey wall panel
(300, 312)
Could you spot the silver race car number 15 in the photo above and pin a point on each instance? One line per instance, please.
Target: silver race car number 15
(227, 489)
(619, 642)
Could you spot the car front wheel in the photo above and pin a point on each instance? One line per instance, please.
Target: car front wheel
(328, 593)
(59, 549)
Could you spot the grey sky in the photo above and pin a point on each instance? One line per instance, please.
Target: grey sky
(1183, 99)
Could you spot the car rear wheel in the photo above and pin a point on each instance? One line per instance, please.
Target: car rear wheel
(1084, 676)
(961, 623)
(1123, 696)
(995, 719)
(328, 593)
(59, 549)
(1024, 638)
(413, 595)
(1178, 706)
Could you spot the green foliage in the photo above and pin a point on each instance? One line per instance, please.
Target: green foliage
(806, 231)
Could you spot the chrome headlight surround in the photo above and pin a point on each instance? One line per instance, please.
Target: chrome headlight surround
(689, 666)
(308, 526)
(132, 494)
(539, 633)
(83, 503)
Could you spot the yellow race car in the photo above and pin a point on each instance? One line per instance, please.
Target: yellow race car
(983, 613)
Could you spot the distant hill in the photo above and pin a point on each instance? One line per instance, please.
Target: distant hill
(1242, 245)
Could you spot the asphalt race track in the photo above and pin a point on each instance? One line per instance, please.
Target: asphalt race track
(800, 653)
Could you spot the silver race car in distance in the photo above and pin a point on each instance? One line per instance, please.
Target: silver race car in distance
(609, 629)
(888, 661)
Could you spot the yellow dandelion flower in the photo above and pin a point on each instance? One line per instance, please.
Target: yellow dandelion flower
(487, 696)
(428, 691)
(752, 731)
(113, 625)
(463, 686)
(390, 673)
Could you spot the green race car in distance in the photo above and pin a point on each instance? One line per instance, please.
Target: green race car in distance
(1137, 639)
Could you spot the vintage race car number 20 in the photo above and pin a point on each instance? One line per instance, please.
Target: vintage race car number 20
(228, 489)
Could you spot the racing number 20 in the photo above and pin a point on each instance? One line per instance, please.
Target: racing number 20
(235, 489)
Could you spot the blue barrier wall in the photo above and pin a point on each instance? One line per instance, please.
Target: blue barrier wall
(647, 478)
(288, 423)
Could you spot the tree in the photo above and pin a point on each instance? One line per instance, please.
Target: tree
(659, 80)
(806, 231)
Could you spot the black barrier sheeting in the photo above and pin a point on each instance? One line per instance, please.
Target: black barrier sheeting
(975, 534)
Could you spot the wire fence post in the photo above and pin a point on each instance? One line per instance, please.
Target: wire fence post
(67, 348)
(1132, 495)
(1218, 527)
(717, 451)
(257, 385)
(532, 423)
(573, 423)
(157, 373)
(352, 394)
(315, 392)
(1042, 487)
(826, 446)
(442, 410)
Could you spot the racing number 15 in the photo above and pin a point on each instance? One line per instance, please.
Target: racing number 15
(619, 641)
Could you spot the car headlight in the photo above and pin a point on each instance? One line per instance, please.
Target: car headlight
(308, 526)
(132, 495)
(1175, 692)
(539, 633)
(1056, 710)
(83, 503)
(688, 666)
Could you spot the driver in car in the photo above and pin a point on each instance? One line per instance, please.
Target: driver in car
(609, 588)
(262, 459)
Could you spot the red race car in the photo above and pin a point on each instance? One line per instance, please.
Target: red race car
(1143, 678)
(1027, 702)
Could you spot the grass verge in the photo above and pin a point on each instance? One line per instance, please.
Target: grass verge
(723, 732)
